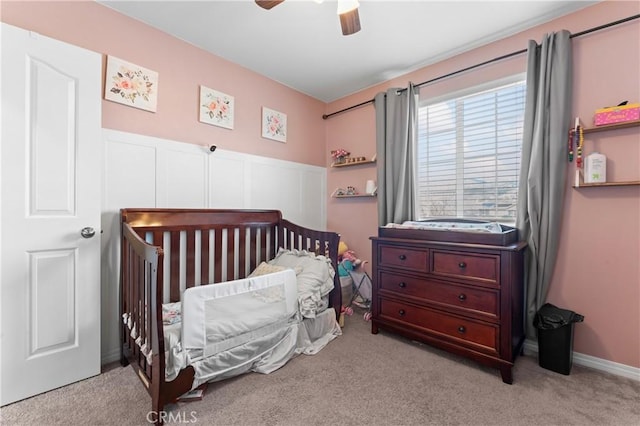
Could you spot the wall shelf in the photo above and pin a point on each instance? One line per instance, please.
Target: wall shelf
(353, 163)
(592, 185)
(616, 126)
(625, 125)
(355, 196)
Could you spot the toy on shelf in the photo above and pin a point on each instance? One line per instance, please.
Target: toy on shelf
(620, 113)
(576, 140)
(340, 155)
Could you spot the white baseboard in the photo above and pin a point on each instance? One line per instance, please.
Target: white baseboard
(531, 348)
(110, 356)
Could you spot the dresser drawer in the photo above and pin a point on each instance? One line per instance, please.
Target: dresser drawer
(484, 301)
(406, 258)
(483, 337)
(481, 268)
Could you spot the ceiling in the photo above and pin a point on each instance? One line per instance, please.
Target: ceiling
(299, 43)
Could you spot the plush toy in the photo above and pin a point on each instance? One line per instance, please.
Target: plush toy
(347, 260)
(342, 248)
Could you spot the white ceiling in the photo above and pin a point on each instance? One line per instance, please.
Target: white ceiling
(299, 42)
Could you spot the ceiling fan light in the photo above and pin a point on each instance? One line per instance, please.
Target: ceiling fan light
(345, 6)
(350, 22)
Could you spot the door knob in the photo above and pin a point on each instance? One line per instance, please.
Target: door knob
(87, 232)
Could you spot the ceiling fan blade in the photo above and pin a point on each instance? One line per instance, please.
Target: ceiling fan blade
(268, 4)
(350, 22)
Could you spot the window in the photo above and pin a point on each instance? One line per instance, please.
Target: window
(468, 154)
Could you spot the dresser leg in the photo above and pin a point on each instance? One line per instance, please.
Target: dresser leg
(374, 328)
(507, 376)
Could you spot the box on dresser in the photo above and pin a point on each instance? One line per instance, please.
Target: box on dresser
(460, 291)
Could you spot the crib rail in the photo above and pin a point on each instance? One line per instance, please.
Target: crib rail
(139, 307)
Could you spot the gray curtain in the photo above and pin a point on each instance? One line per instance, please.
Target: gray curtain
(544, 162)
(396, 118)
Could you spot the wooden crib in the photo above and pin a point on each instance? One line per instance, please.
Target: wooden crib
(165, 251)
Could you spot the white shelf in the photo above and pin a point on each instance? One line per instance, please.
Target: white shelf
(355, 196)
(353, 163)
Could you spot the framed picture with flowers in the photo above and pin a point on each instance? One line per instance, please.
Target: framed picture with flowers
(216, 108)
(274, 125)
(131, 84)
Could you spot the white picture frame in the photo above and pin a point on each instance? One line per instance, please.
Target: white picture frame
(130, 84)
(216, 108)
(274, 125)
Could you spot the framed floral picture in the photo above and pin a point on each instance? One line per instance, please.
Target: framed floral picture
(216, 108)
(274, 125)
(131, 84)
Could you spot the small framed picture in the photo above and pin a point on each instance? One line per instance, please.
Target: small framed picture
(274, 125)
(131, 84)
(216, 108)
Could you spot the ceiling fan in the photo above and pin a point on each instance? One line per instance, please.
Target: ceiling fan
(347, 11)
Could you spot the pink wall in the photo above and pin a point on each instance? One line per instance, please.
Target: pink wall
(597, 272)
(182, 69)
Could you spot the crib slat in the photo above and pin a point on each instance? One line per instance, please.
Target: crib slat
(241, 261)
(174, 280)
(253, 248)
(126, 282)
(145, 304)
(204, 257)
(149, 309)
(158, 240)
(190, 264)
(231, 250)
(217, 244)
(135, 311)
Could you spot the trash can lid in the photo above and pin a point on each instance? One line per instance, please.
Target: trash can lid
(550, 316)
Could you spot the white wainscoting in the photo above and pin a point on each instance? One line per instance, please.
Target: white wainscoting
(143, 171)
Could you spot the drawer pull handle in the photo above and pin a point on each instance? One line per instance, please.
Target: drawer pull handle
(401, 312)
(462, 265)
(402, 284)
(462, 296)
(402, 257)
(461, 329)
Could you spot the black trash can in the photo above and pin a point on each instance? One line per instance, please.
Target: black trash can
(555, 337)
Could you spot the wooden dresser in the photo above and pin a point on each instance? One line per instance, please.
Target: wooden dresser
(462, 292)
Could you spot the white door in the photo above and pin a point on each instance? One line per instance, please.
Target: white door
(50, 186)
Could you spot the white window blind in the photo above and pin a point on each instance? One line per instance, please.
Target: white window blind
(468, 155)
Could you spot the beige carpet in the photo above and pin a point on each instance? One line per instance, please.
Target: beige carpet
(358, 379)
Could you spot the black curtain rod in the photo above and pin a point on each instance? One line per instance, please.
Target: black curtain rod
(499, 58)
